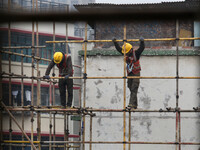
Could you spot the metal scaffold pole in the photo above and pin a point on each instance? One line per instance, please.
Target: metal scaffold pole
(32, 72)
(177, 86)
(124, 114)
(54, 115)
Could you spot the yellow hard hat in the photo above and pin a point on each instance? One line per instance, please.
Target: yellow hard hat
(128, 47)
(57, 57)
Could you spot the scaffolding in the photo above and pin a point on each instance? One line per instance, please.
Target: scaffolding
(82, 110)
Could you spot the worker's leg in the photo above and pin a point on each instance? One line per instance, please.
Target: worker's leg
(62, 89)
(133, 85)
(70, 92)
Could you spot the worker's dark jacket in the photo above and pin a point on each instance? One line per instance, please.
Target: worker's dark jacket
(64, 69)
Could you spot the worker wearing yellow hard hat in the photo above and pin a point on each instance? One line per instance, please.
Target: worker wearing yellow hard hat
(64, 64)
(133, 68)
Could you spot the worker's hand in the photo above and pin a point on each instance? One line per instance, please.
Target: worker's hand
(141, 39)
(46, 77)
(67, 76)
(114, 39)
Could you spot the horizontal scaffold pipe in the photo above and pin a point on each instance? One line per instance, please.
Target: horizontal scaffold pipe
(23, 55)
(30, 56)
(78, 110)
(129, 77)
(103, 142)
(23, 47)
(129, 40)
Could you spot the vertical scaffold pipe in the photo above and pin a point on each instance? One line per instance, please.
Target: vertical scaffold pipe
(38, 84)
(54, 116)
(32, 80)
(10, 86)
(1, 96)
(12, 117)
(90, 132)
(129, 131)
(22, 94)
(177, 82)
(67, 51)
(84, 90)
(124, 113)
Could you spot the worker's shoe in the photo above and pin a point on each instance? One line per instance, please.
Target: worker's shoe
(68, 107)
(132, 106)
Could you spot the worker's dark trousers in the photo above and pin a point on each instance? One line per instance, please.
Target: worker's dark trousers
(133, 85)
(63, 83)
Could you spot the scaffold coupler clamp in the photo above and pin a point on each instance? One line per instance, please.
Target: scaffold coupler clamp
(85, 76)
(196, 108)
(168, 108)
(31, 107)
(177, 109)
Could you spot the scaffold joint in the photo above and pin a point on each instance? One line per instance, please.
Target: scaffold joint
(10, 130)
(124, 142)
(177, 39)
(85, 41)
(177, 109)
(168, 108)
(177, 77)
(32, 120)
(177, 96)
(160, 110)
(196, 108)
(50, 126)
(124, 77)
(67, 132)
(124, 40)
(85, 76)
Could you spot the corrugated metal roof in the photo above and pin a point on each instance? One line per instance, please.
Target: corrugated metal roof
(180, 4)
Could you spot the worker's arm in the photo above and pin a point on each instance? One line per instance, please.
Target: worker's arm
(118, 48)
(49, 68)
(69, 66)
(139, 51)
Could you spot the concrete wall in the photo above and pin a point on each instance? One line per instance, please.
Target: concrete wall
(152, 94)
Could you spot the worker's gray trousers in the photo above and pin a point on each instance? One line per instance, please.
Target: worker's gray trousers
(133, 85)
(63, 83)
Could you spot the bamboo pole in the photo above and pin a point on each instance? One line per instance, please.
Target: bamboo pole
(77, 110)
(11, 75)
(13, 118)
(54, 116)
(38, 84)
(65, 130)
(1, 96)
(22, 93)
(10, 86)
(129, 131)
(106, 142)
(22, 47)
(84, 89)
(91, 131)
(128, 40)
(177, 80)
(32, 72)
(124, 114)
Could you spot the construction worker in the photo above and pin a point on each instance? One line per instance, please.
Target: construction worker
(133, 68)
(64, 64)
